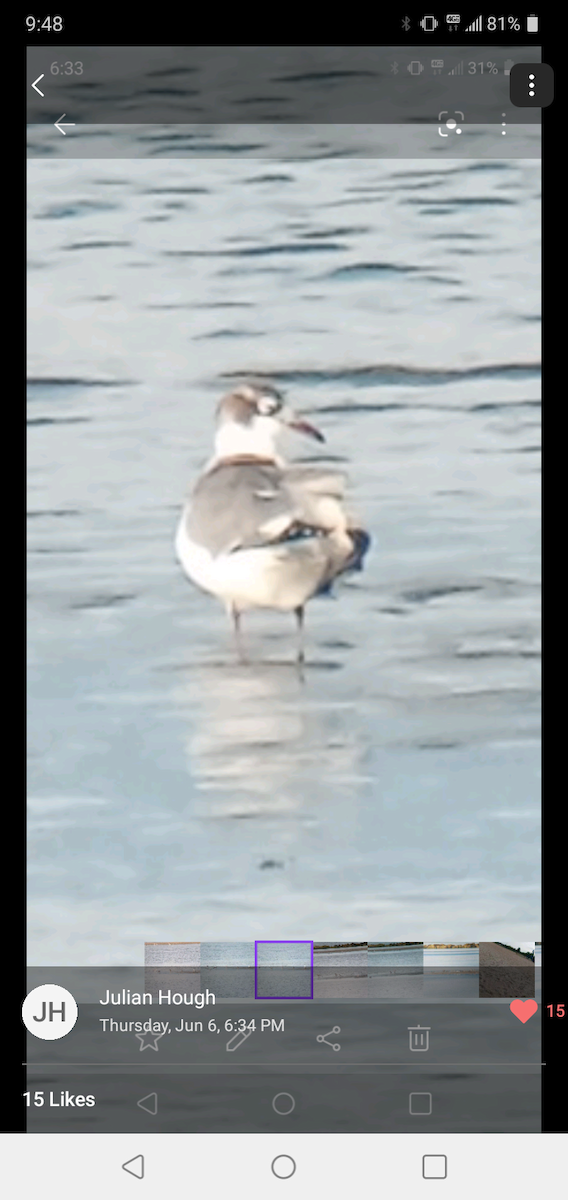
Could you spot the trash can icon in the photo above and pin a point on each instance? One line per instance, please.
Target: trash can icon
(419, 1037)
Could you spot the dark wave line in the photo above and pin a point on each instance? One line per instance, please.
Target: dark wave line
(370, 269)
(103, 601)
(259, 251)
(389, 373)
(36, 381)
(101, 245)
(467, 201)
(57, 420)
(324, 76)
(54, 512)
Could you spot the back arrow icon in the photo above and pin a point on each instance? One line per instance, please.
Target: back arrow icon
(135, 1166)
(59, 126)
(149, 1103)
(37, 89)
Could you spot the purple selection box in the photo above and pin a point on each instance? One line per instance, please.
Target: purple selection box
(292, 969)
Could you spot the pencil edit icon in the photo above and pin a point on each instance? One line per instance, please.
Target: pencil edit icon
(237, 1040)
(419, 1037)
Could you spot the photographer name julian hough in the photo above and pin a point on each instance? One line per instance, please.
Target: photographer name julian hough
(198, 999)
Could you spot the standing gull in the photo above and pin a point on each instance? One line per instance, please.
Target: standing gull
(256, 532)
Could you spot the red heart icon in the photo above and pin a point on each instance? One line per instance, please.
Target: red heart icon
(523, 1009)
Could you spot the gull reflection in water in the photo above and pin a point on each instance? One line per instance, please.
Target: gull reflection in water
(261, 740)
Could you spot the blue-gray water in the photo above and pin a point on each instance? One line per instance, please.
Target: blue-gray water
(462, 958)
(396, 959)
(392, 793)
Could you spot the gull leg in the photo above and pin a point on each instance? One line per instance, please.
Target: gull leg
(237, 630)
(300, 622)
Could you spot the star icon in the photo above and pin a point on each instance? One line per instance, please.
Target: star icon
(150, 1039)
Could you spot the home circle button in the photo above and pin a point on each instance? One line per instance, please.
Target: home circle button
(283, 1103)
(283, 1166)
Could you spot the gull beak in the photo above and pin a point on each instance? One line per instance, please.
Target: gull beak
(295, 422)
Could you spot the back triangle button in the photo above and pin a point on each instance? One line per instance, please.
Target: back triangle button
(135, 1166)
(149, 1103)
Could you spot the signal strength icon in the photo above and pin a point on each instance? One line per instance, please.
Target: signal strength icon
(457, 70)
(476, 26)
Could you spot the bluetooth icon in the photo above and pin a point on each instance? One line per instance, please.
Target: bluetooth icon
(406, 24)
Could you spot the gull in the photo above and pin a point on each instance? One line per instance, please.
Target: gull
(257, 532)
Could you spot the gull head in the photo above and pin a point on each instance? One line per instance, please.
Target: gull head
(251, 419)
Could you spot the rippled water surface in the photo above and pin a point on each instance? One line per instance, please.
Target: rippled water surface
(463, 959)
(398, 959)
(392, 792)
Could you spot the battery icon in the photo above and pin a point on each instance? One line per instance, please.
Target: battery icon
(532, 23)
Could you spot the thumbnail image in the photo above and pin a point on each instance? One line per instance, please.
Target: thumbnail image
(538, 971)
(284, 970)
(395, 970)
(167, 963)
(340, 970)
(451, 970)
(507, 971)
(227, 969)
(175, 955)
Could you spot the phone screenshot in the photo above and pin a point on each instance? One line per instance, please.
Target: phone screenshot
(284, 897)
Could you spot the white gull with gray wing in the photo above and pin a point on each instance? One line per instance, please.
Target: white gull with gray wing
(255, 532)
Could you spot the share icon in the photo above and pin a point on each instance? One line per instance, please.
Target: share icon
(322, 1037)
